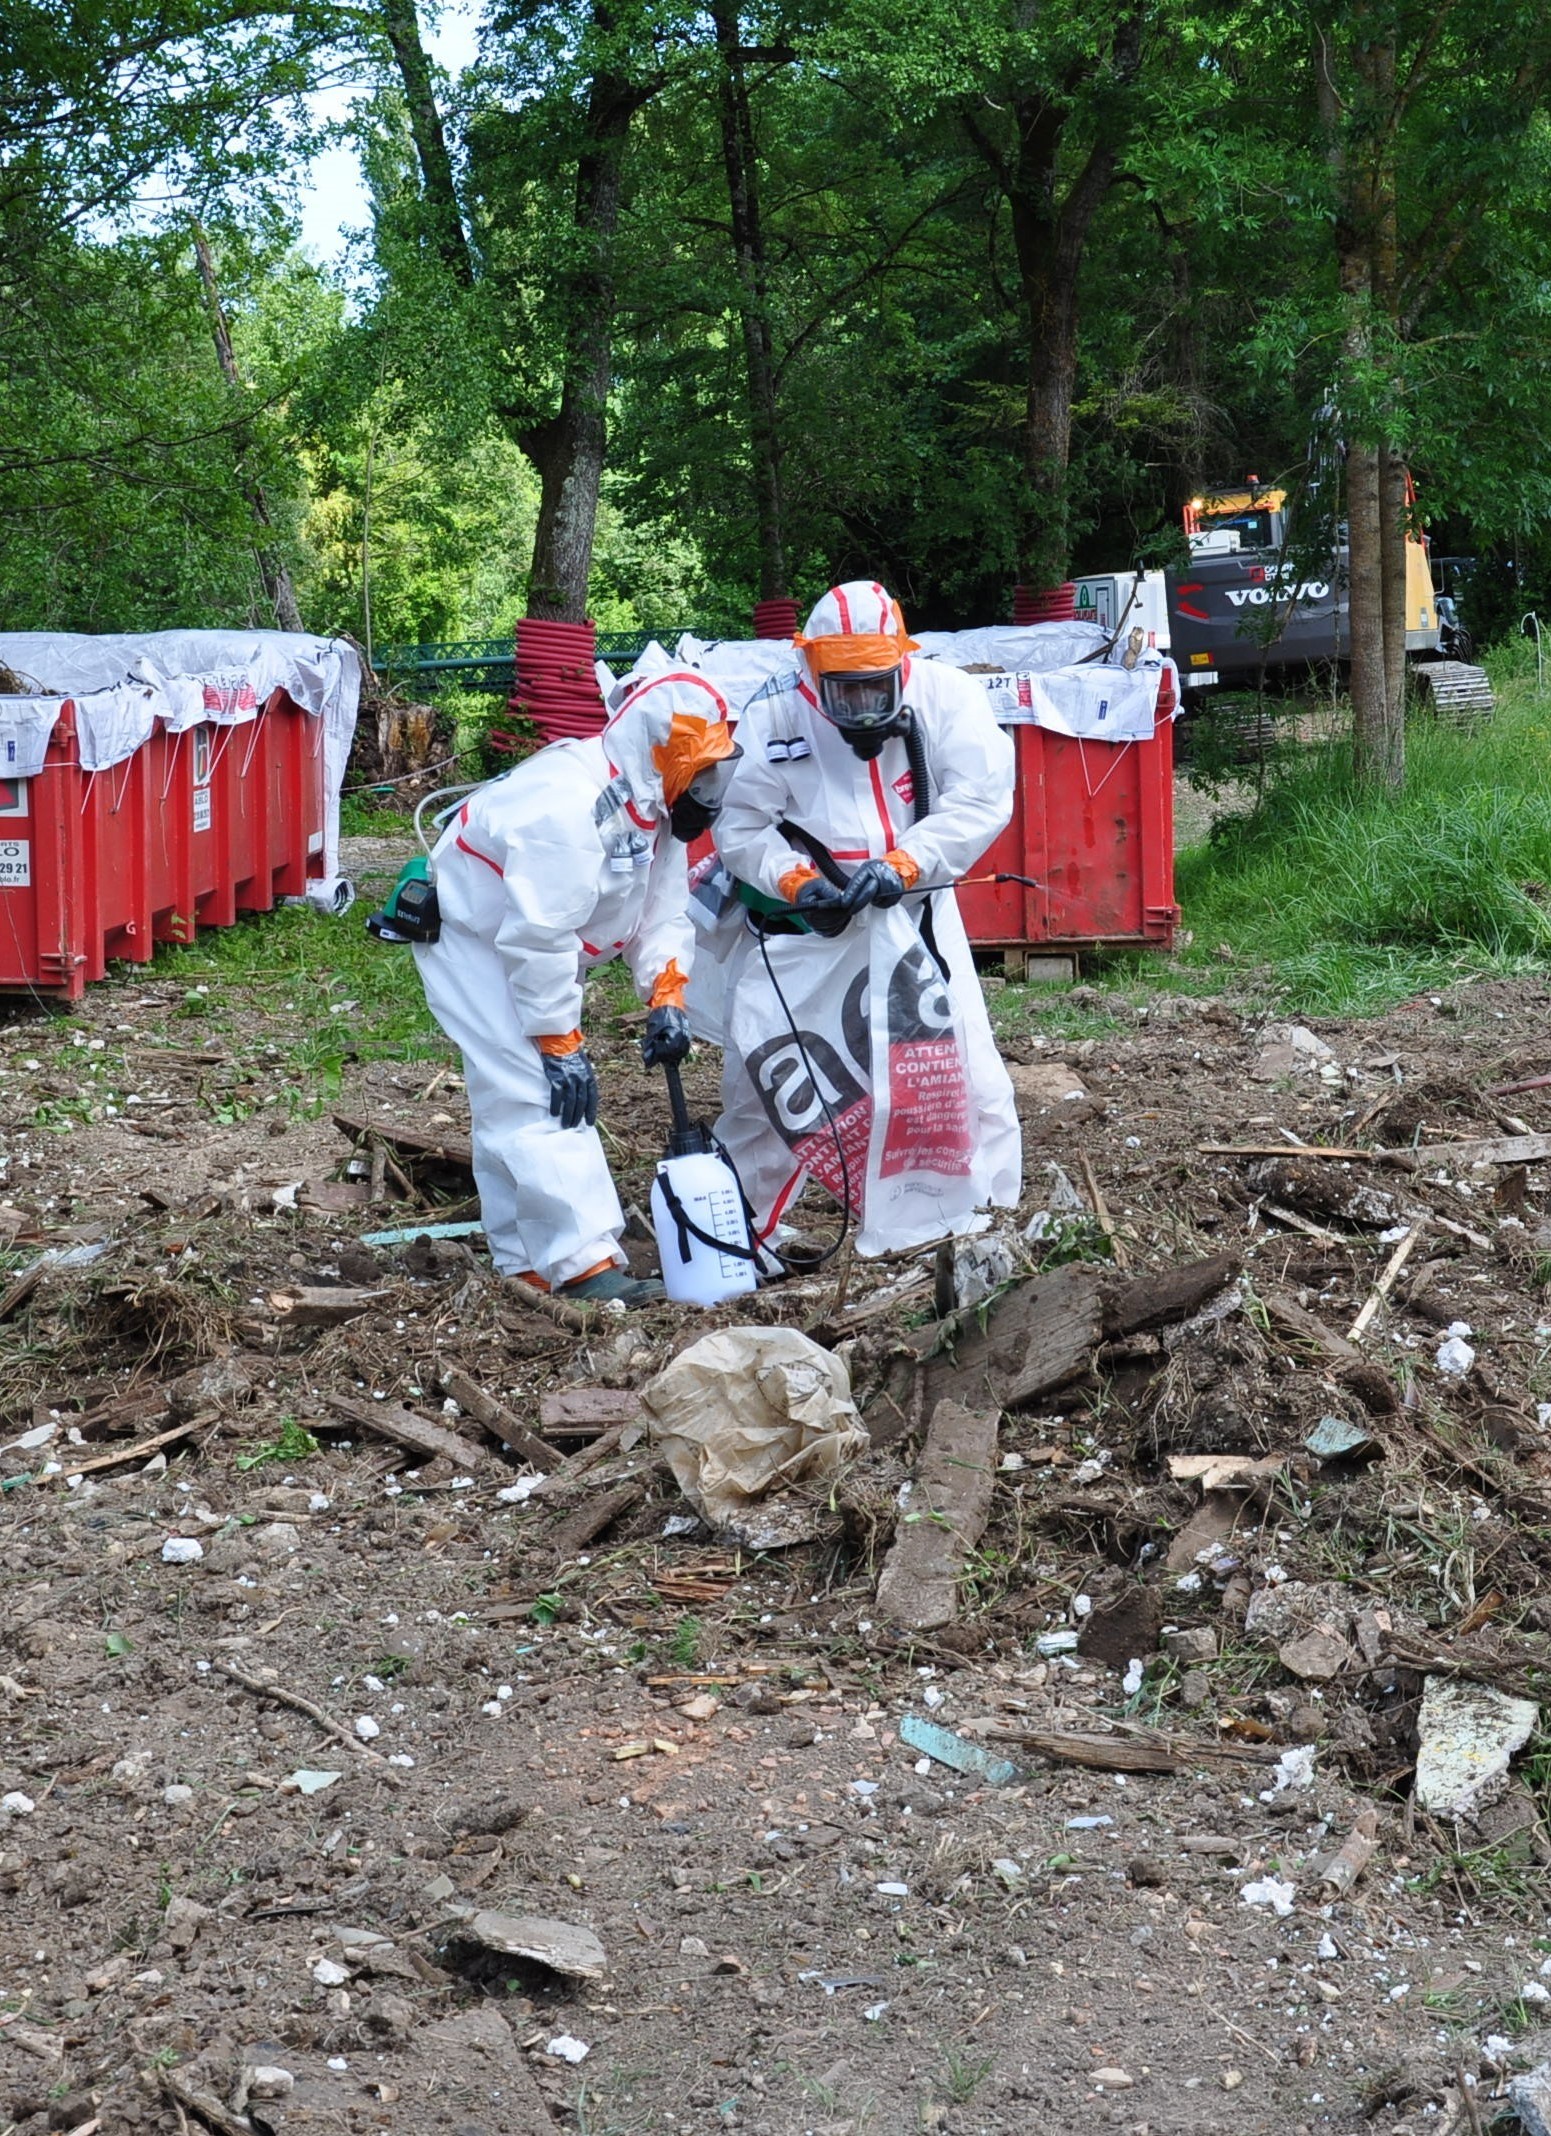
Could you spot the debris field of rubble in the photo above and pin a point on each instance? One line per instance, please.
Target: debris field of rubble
(1124, 1711)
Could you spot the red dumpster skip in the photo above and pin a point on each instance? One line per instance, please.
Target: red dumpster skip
(190, 829)
(1093, 824)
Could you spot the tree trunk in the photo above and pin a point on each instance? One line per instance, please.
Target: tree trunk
(1050, 236)
(1394, 522)
(278, 590)
(741, 163)
(568, 447)
(402, 27)
(1371, 725)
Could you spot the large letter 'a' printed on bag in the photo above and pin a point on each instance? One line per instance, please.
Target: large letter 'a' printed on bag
(871, 1097)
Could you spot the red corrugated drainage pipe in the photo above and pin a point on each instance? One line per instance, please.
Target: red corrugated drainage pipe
(1057, 604)
(775, 619)
(556, 686)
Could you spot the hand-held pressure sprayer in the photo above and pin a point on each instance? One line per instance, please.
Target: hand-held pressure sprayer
(699, 1214)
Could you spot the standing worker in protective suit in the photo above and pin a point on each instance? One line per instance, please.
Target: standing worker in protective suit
(575, 856)
(858, 1049)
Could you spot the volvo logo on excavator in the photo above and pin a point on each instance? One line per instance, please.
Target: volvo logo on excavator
(1258, 596)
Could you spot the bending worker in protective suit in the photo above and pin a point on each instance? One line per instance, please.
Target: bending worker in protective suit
(858, 1049)
(574, 857)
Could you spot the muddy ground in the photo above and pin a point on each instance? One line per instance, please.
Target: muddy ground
(694, 1751)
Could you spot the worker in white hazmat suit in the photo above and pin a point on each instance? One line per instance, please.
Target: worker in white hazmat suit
(858, 1049)
(575, 856)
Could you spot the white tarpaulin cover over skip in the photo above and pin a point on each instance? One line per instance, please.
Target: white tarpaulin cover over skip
(123, 683)
(1035, 674)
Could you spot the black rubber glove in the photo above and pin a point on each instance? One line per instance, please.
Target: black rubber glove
(573, 1088)
(667, 1037)
(819, 902)
(873, 883)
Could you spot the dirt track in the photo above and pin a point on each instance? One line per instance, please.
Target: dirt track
(172, 1906)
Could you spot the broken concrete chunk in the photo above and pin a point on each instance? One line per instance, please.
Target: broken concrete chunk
(182, 1921)
(563, 1946)
(1276, 1613)
(1530, 2097)
(1292, 1050)
(1039, 1083)
(1467, 1734)
(1190, 1642)
(1315, 1656)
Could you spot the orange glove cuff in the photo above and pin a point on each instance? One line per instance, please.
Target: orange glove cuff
(668, 993)
(560, 1044)
(794, 878)
(908, 870)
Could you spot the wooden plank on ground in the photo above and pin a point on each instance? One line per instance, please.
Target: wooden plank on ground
(1038, 1337)
(570, 1410)
(592, 1519)
(496, 1417)
(949, 1505)
(1168, 1294)
(1342, 1360)
(412, 1142)
(418, 1435)
(321, 1305)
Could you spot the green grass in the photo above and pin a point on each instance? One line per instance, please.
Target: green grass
(1327, 899)
(1355, 899)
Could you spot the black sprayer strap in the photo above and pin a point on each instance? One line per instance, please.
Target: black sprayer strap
(921, 808)
(688, 1229)
(817, 851)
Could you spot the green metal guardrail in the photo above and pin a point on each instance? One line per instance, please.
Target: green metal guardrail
(489, 663)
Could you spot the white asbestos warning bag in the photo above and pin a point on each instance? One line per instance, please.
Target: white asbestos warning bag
(871, 1094)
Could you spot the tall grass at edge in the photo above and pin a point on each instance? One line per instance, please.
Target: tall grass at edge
(1354, 898)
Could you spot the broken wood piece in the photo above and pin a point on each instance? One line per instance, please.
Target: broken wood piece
(21, 1290)
(1131, 1754)
(139, 1450)
(1279, 1149)
(588, 1457)
(190, 2098)
(1484, 1149)
(1381, 1289)
(580, 1320)
(590, 1520)
(1225, 1472)
(1295, 1222)
(1167, 1294)
(298, 1704)
(949, 1505)
(321, 1305)
(1354, 1854)
(1459, 1231)
(497, 1418)
(1106, 1222)
(577, 1409)
(455, 1150)
(417, 1434)
(1508, 1090)
(1344, 1362)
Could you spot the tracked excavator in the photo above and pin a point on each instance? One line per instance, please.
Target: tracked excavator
(1251, 605)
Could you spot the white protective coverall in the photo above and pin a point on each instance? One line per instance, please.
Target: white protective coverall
(559, 865)
(796, 766)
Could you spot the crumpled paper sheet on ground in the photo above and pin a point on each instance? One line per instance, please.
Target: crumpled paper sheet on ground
(746, 1411)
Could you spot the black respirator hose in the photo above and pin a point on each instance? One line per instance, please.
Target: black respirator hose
(921, 808)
